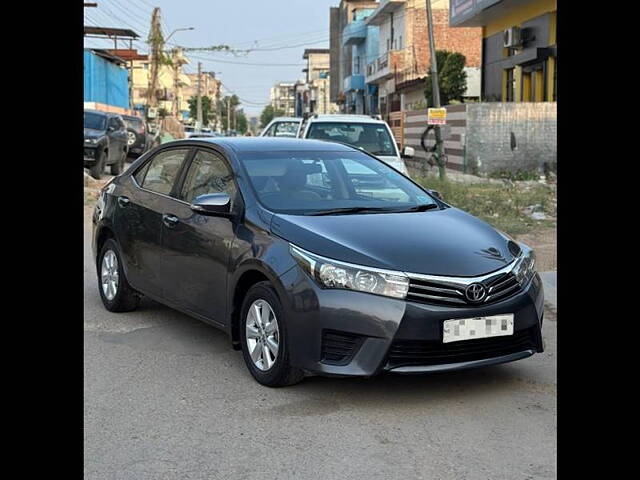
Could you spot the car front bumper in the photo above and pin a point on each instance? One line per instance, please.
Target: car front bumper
(90, 155)
(348, 333)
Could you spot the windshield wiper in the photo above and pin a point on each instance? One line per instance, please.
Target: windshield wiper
(346, 210)
(421, 208)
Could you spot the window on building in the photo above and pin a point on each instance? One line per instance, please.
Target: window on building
(555, 81)
(400, 43)
(510, 87)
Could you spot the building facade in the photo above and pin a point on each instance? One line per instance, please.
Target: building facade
(520, 60)
(313, 95)
(171, 89)
(404, 61)
(282, 97)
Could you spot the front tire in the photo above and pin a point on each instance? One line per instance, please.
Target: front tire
(263, 336)
(115, 292)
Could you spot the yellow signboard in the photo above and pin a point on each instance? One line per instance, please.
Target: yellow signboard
(436, 116)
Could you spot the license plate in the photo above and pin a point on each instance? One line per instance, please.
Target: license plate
(478, 327)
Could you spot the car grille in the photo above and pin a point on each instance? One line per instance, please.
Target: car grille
(445, 292)
(422, 352)
(89, 152)
(338, 348)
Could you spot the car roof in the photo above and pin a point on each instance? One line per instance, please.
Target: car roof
(274, 144)
(287, 119)
(345, 119)
(106, 114)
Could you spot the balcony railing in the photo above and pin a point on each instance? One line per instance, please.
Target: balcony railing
(385, 65)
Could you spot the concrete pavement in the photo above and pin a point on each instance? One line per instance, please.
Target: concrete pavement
(550, 284)
(167, 398)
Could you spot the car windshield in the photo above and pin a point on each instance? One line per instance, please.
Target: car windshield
(317, 183)
(372, 137)
(94, 120)
(134, 123)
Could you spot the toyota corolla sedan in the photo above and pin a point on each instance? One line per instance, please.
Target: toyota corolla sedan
(315, 258)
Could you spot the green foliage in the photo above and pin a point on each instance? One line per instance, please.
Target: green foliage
(207, 112)
(268, 114)
(505, 174)
(452, 78)
(233, 101)
(503, 206)
(241, 122)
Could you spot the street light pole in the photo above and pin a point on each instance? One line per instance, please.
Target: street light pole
(436, 92)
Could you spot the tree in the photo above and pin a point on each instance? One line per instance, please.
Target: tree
(452, 78)
(268, 113)
(206, 109)
(241, 121)
(228, 102)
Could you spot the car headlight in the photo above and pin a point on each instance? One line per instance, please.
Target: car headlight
(90, 141)
(524, 270)
(335, 274)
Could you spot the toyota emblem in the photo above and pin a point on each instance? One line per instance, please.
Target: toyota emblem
(476, 292)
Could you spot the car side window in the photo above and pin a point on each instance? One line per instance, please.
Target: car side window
(270, 132)
(163, 170)
(208, 173)
(113, 122)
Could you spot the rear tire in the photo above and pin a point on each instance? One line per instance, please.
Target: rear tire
(281, 373)
(97, 168)
(115, 292)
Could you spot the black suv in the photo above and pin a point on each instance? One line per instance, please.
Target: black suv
(138, 140)
(105, 142)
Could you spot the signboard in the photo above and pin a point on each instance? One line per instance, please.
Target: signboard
(436, 116)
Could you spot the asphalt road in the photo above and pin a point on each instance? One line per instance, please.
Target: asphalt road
(167, 398)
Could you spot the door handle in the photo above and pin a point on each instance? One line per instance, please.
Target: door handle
(169, 220)
(123, 201)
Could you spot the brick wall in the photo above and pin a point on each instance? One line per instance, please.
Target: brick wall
(467, 41)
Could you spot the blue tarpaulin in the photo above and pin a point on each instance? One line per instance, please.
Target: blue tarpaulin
(104, 81)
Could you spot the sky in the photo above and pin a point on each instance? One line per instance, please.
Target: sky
(283, 28)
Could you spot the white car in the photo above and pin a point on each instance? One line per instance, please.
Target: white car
(371, 134)
(282, 127)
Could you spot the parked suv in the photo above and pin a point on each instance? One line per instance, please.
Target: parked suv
(314, 257)
(138, 139)
(105, 142)
(371, 134)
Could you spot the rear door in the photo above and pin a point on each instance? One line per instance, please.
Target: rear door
(197, 247)
(144, 199)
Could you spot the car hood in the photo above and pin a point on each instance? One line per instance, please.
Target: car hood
(92, 133)
(395, 162)
(438, 242)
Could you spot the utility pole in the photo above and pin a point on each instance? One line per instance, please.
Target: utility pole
(156, 41)
(436, 93)
(199, 99)
(176, 66)
(228, 113)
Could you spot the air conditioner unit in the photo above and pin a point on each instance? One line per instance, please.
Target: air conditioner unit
(512, 37)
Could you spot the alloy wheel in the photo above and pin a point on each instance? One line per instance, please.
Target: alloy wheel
(262, 335)
(109, 275)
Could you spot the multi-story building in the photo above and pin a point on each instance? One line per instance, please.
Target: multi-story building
(349, 37)
(282, 96)
(171, 85)
(363, 42)
(403, 64)
(519, 49)
(313, 95)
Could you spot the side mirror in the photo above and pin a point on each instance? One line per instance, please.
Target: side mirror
(408, 152)
(436, 194)
(212, 204)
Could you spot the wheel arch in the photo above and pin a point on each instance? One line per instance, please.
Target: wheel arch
(248, 275)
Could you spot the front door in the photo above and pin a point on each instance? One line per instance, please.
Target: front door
(140, 205)
(197, 247)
